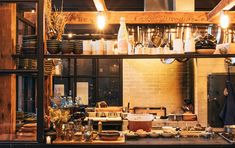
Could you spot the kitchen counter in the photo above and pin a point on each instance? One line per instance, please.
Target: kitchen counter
(179, 141)
(217, 140)
(140, 143)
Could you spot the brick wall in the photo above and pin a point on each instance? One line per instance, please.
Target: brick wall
(149, 83)
(204, 67)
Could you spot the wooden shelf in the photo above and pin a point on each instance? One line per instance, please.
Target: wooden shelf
(25, 56)
(13, 1)
(18, 71)
(142, 56)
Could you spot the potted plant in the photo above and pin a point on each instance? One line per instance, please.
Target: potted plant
(57, 118)
(55, 24)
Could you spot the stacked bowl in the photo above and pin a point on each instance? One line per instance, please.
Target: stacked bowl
(53, 46)
(29, 44)
(78, 47)
(66, 46)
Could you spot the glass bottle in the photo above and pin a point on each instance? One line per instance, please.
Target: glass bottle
(122, 37)
(70, 99)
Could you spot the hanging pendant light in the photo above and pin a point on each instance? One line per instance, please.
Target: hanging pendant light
(224, 20)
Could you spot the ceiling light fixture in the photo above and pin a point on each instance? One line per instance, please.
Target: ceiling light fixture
(224, 20)
(101, 20)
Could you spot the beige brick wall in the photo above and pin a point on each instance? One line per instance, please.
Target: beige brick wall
(204, 67)
(149, 83)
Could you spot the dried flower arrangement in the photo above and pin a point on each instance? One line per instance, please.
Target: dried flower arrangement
(56, 21)
(58, 116)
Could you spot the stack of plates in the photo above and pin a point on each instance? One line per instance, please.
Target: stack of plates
(78, 47)
(23, 64)
(32, 64)
(17, 49)
(53, 46)
(27, 132)
(67, 46)
(29, 45)
(48, 65)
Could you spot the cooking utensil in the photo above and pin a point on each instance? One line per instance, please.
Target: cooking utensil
(109, 135)
(189, 117)
(182, 60)
(166, 50)
(156, 38)
(140, 121)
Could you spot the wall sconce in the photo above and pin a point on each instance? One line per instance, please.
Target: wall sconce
(224, 20)
(101, 20)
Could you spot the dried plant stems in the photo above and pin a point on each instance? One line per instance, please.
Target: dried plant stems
(55, 21)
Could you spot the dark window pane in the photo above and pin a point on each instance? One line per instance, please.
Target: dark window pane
(65, 68)
(64, 83)
(71, 72)
(108, 67)
(84, 67)
(109, 91)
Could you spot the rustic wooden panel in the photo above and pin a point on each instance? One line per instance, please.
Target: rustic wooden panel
(140, 17)
(223, 5)
(8, 83)
(32, 17)
(145, 17)
(100, 5)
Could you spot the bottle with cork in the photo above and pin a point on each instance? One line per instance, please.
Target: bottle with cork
(122, 37)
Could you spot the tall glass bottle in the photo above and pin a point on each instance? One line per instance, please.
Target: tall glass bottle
(122, 37)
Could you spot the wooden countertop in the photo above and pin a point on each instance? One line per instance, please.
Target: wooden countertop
(217, 140)
(120, 140)
(181, 141)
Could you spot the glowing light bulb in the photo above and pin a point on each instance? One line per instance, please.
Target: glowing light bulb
(224, 20)
(101, 21)
(70, 35)
(33, 11)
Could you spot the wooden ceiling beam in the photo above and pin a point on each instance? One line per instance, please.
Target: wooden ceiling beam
(100, 5)
(138, 17)
(223, 5)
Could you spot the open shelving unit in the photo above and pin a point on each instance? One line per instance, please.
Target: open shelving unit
(38, 72)
(134, 56)
(132, 17)
(142, 56)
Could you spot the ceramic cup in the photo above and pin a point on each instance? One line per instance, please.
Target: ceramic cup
(87, 47)
(189, 45)
(178, 46)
